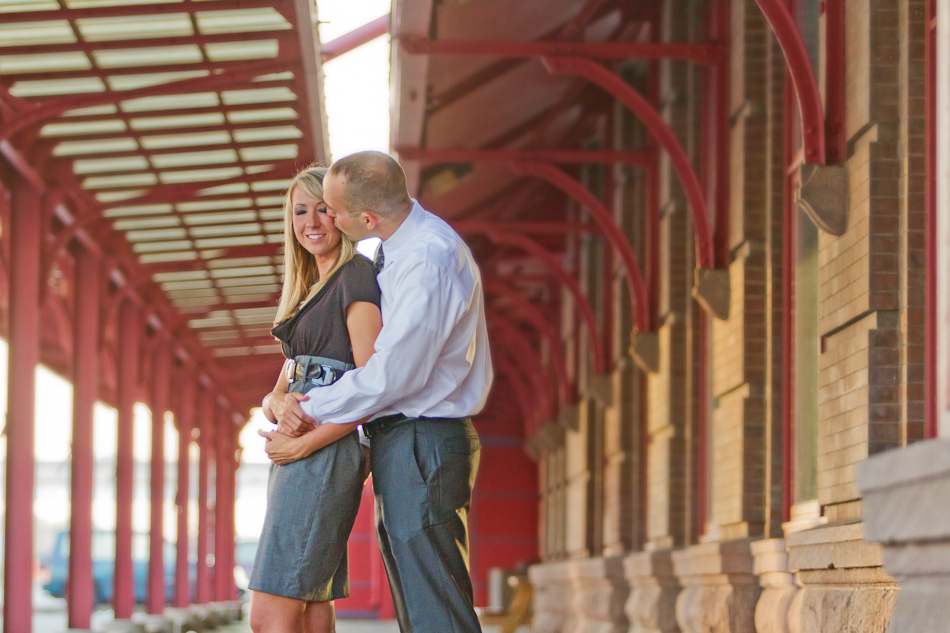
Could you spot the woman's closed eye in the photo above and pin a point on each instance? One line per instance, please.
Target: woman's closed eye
(301, 211)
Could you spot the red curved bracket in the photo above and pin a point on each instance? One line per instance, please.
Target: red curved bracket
(638, 288)
(656, 127)
(522, 392)
(567, 279)
(534, 316)
(529, 359)
(803, 78)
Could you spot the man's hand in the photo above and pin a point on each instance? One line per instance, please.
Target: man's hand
(282, 449)
(291, 420)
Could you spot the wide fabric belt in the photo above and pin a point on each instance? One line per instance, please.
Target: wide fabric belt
(375, 428)
(306, 372)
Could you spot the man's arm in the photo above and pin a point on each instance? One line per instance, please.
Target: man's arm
(427, 302)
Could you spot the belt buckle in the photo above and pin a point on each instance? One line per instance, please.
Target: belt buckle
(291, 370)
(325, 375)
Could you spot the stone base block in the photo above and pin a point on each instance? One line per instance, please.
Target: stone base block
(719, 588)
(779, 590)
(579, 596)
(651, 607)
(553, 597)
(843, 586)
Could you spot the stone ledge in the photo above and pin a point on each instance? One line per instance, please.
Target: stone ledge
(832, 547)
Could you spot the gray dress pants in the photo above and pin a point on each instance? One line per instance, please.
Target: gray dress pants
(423, 473)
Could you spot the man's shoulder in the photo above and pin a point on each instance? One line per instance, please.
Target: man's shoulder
(437, 244)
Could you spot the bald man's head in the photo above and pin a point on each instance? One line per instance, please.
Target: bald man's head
(371, 182)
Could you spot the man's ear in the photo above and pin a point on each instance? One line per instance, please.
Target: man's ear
(369, 220)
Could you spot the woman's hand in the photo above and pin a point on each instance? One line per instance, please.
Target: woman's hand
(290, 418)
(283, 449)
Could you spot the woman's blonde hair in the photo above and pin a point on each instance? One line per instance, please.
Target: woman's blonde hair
(301, 276)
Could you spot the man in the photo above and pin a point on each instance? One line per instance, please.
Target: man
(430, 372)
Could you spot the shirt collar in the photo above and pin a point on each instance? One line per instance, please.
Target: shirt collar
(406, 232)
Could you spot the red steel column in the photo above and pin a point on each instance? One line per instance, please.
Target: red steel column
(80, 599)
(231, 472)
(123, 597)
(205, 422)
(222, 575)
(185, 422)
(24, 337)
(161, 376)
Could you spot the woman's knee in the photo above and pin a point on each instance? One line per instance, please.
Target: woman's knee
(275, 614)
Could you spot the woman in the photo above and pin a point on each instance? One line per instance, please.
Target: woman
(327, 320)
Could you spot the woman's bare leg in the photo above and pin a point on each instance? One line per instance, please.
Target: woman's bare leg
(276, 614)
(319, 617)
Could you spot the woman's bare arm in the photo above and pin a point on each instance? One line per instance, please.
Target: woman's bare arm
(364, 321)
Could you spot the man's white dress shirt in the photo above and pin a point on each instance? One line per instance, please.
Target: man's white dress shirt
(432, 357)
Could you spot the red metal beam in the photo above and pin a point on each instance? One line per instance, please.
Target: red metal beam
(698, 53)
(355, 38)
(24, 343)
(566, 279)
(160, 383)
(206, 406)
(562, 156)
(536, 318)
(86, 276)
(608, 226)
(185, 419)
(130, 325)
(132, 11)
(930, 347)
(660, 131)
(803, 79)
(53, 108)
(223, 576)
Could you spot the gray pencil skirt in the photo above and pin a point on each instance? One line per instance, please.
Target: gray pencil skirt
(311, 508)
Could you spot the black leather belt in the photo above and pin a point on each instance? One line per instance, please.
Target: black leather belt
(377, 427)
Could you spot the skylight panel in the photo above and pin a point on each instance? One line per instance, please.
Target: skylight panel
(44, 62)
(156, 234)
(270, 185)
(247, 290)
(155, 222)
(15, 6)
(181, 275)
(107, 197)
(199, 175)
(137, 210)
(153, 247)
(52, 87)
(222, 230)
(223, 190)
(193, 159)
(259, 134)
(184, 120)
(73, 148)
(271, 152)
(116, 182)
(133, 82)
(179, 256)
(104, 126)
(171, 102)
(257, 116)
(241, 21)
(152, 56)
(103, 165)
(271, 214)
(219, 218)
(134, 27)
(228, 242)
(194, 139)
(244, 271)
(90, 4)
(235, 51)
(187, 285)
(259, 95)
(33, 33)
(213, 205)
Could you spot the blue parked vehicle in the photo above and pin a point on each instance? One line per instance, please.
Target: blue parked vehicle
(103, 566)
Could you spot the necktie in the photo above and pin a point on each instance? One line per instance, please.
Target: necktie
(379, 259)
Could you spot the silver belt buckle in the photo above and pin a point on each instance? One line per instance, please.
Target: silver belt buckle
(291, 370)
(324, 377)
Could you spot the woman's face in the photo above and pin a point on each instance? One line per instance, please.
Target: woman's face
(314, 230)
